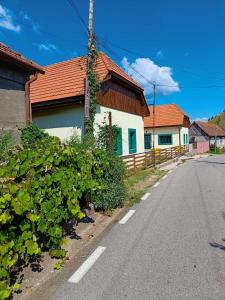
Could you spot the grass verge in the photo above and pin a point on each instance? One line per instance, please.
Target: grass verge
(138, 183)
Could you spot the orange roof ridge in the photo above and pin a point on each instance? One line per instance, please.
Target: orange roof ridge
(211, 129)
(165, 115)
(66, 79)
(65, 61)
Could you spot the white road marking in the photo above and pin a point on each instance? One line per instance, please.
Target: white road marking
(156, 184)
(145, 196)
(164, 177)
(127, 217)
(85, 267)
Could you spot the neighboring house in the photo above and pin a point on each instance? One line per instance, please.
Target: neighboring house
(15, 71)
(204, 134)
(171, 127)
(58, 101)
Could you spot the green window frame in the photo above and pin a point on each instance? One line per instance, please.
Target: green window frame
(132, 140)
(148, 140)
(165, 139)
(119, 142)
(185, 139)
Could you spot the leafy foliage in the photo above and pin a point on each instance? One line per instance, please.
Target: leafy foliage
(113, 195)
(41, 187)
(6, 142)
(94, 88)
(31, 135)
(104, 136)
(219, 120)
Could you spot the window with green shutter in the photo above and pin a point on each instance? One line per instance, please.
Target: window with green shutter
(119, 142)
(165, 139)
(132, 140)
(148, 142)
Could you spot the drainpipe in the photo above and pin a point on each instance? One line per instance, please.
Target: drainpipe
(27, 97)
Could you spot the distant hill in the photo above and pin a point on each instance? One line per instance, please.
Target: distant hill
(219, 120)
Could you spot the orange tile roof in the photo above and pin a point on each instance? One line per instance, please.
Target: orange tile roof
(165, 115)
(66, 79)
(210, 129)
(13, 57)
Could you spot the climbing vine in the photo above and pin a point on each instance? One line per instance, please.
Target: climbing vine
(93, 88)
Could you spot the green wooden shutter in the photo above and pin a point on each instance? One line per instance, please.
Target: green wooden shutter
(132, 140)
(119, 143)
(148, 141)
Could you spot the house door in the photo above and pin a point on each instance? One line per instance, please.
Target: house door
(148, 141)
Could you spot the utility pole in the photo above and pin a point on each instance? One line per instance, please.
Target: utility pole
(153, 129)
(89, 63)
(110, 129)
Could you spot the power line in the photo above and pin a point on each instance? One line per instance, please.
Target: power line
(75, 8)
(115, 54)
(184, 70)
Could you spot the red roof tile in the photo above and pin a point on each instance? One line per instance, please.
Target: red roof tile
(210, 129)
(165, 115)
(66, 79)
(14, 57)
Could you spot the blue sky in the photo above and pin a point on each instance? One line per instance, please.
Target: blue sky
(177, 43)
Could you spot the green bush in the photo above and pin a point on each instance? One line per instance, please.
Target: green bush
(113, 195)
(6, 142)
(31, 135)
(41, 190)
(103, 140)
(42, 186)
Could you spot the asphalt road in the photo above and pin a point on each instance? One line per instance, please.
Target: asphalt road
(172, 246)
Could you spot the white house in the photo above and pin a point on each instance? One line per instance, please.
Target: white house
(170, 127)
(58, 101)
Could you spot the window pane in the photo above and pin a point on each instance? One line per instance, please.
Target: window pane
(165, 139)
(132, 140)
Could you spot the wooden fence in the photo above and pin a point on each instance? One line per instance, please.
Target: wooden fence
(153, 157)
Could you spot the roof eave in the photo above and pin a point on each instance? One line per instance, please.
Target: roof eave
(31, 68)
(57, 102)
(159, 126)
(136, 87)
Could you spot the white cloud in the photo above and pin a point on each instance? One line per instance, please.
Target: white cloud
(151, 72)
(6, 20)
(35, 26)
(47, 47)
(202, 119)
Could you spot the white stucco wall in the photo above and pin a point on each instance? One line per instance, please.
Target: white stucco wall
(168, 130)
(67, 120)
(125, 121)
(62, 121)
(220, 141)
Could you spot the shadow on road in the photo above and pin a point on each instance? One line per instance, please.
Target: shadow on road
(210, 162)
(216, 245)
